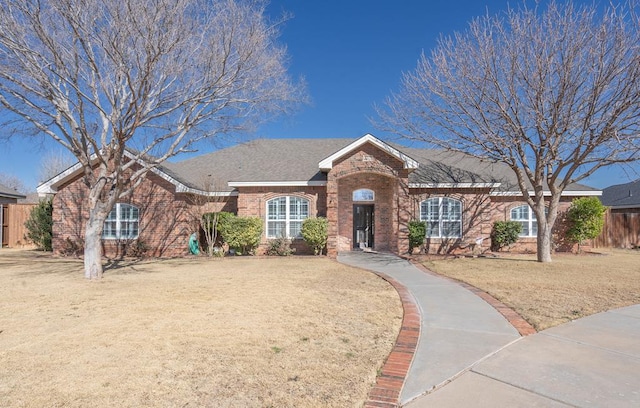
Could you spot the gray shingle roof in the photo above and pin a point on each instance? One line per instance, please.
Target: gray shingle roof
(622, 195)
(280, 160)
(260, 160)
(9, 192)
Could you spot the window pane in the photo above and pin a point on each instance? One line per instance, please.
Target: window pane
(295, 228)
(520, 213)
(451, 229)
(276, 229)
(432, 209)
(451, 209)
(363, 195)
(109, 230)
(433, 229)
(298, 208)
(276, 208)
(122, 222)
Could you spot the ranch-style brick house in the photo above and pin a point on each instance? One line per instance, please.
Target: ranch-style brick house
(367, 189)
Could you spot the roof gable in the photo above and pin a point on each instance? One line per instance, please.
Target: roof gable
(409, 163)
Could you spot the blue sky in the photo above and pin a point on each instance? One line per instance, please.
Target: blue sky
(352, 54)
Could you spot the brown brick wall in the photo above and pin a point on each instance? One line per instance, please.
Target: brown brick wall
(371, 168)
(166, 218)
(252, 202)
(479, 212)
(476, 219)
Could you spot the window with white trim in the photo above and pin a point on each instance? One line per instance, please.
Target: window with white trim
(122, 222)
(527, 218)
(443, 216)
(363, 194)
(285, 215)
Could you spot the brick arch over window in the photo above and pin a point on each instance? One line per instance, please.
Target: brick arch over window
(285, 214)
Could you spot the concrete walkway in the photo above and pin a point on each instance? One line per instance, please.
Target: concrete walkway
(469, 355)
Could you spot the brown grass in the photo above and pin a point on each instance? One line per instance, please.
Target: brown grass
(570, 287)
(241, 332)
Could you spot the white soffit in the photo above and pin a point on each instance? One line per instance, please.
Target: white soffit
(576, 193)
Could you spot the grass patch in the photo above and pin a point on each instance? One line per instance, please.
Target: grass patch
(192, 332)
(549, 294)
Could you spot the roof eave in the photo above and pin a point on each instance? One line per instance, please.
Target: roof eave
(576, 193)
(291, 183)
(454, 185)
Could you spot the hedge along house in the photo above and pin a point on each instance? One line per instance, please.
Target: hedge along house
(367, 189)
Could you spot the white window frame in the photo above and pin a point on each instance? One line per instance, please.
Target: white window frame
(363, 194)
(441, 218)
(120, 224)
(287, 218)
(528, 223)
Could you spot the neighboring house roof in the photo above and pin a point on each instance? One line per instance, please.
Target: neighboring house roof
(9, 192)
(305, 162)
(622, 195)
(30, 198)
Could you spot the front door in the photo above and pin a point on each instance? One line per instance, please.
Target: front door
(363, 226)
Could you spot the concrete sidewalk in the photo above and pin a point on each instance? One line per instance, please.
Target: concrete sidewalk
(457, 328)
(468, 355)
(590, 362)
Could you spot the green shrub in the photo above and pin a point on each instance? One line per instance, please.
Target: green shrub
(315, 233)
(280, 247)
(40, 225)
(417, 232)
(242, 234)
(504, 233)
(586, 218)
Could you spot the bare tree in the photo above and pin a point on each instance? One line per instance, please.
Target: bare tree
(53, 163)
(553, 93)
(149, 77)
(14, 182)
(204, 210)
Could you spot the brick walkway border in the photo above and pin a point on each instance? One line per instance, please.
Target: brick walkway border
(386, 392)
(522, 326)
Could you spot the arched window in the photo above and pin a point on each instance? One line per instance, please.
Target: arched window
(443, 216)
(122, 222)
(285, 215)
(364, 194)
(527, 218)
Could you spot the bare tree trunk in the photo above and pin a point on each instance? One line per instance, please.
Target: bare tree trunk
(92, 244)
(544, 242)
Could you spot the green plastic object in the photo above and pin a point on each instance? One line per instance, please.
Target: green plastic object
(193, 244)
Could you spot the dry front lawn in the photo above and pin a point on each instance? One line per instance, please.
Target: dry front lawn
(241, 332)
(570, 287)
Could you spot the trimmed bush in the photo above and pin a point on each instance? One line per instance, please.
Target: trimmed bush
(504, 233)
(417, 232)
(315, 232)
(280, 247)
(242, 234)
(586, 216)
(40, 225)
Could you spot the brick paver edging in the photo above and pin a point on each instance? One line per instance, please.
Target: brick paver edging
(522, 326)
(386, 392)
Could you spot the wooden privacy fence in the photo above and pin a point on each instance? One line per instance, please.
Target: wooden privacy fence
(621, 229)
(12, 219)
